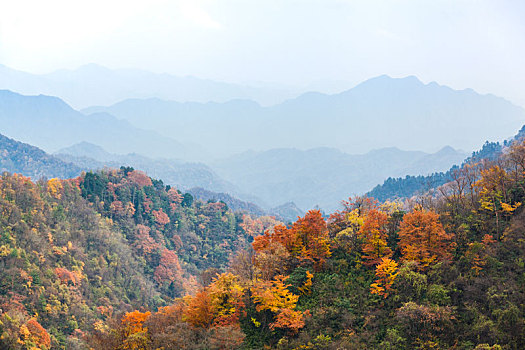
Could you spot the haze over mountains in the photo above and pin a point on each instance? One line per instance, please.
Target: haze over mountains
(269, 179)
(49, 123)
(21, 158)
(319, 176)
(93, 84)
(311, 150)
(380, 112)
(183, 175)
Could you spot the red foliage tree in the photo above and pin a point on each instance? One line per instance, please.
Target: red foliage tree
(161, 218)
(169, 268)
(174, 196)
(38, 334)
(139, 178)
(67, 276)
(307, 239)
(144, 243)
(311, 233)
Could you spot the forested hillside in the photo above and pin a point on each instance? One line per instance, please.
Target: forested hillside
(442, 272)
(117, 260)
(75, 252)
(262, 175)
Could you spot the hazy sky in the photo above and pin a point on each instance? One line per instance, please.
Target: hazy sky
(478, 44)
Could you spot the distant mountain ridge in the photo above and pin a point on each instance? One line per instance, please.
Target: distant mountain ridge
(374, 114)
(287, 212)
(271, 178)
(27, 160)
(49, 123)
(93, 84)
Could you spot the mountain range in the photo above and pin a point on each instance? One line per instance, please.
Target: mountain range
(380, 112)
(93, 84)
(27, 160)
(269, 179)
(195, 178)
(49, 123)
(183, 175)
(308, 150)
(306, 177)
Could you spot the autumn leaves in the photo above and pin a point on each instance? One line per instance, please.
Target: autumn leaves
(376, 234)
(268, 299)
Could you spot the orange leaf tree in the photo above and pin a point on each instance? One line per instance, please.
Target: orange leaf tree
(199, 312)
(307, 240)
(220, 304)
(35, 335)
(422, 238)
(312, 235)
(374, 234)
(134, 334)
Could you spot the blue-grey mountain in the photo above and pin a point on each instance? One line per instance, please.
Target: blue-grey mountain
(96, 85)
(381, 112)
(49, 123)
(325, 176)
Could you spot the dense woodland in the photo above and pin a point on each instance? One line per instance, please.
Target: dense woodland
(117, 260)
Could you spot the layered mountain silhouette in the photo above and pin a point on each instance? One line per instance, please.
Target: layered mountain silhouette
(49, 123)
(24, 159)
(308, 150)
(380, 112)
(93, 84)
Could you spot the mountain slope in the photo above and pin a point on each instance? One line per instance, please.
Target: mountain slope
(73, 251)
(27, 160)
(374, 114)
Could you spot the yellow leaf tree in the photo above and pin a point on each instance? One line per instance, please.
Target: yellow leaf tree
(386, 272)
(275, 297)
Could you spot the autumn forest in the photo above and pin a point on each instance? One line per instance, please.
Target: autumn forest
(262, 175)
(114, 259)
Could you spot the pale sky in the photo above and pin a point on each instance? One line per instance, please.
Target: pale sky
(460, 43)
